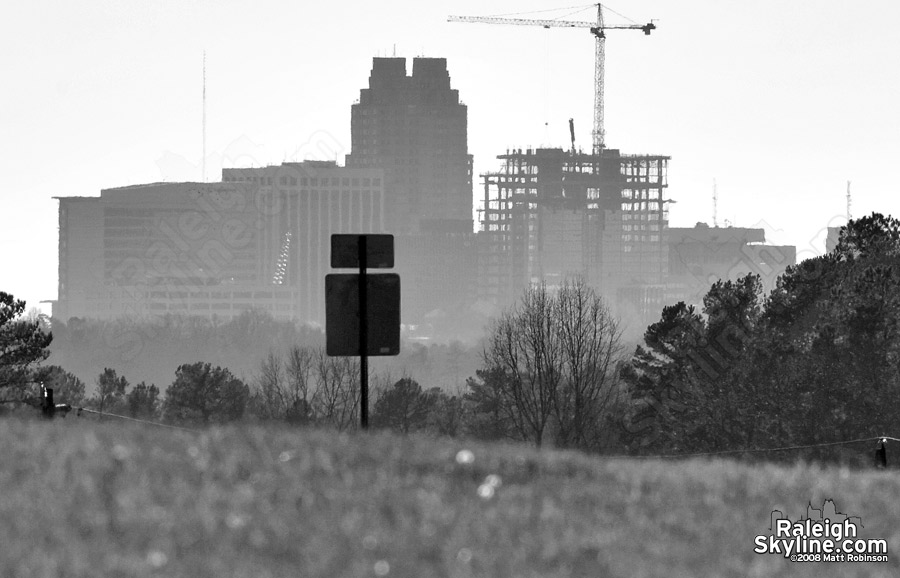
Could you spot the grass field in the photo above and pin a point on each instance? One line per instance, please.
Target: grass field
(82, 498)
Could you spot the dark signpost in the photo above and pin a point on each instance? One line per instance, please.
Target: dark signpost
(362, 312)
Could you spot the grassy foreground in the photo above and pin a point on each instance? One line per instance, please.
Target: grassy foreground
(81, 498)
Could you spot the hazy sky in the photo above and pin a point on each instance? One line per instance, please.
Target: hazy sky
(782, 102)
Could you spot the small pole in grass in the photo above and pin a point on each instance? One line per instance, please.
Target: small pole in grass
(50, 409)
(881, 454)
(47, 406)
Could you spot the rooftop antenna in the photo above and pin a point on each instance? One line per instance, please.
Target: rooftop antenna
(395, 50)
(715, 205)
(849, 216)
(203, 160)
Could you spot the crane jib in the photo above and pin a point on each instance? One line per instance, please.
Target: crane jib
(597, 29)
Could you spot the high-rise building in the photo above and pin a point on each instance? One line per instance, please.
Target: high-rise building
(414, 127)
(701, 255)
(258, 240)
(548, 214)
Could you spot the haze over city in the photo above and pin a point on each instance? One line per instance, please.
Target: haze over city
(351, 289)
(781, 104)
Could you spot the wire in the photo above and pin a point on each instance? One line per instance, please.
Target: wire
(655, 457)
(100, 413)
(605, 7)
(570, 14)
(582, 7)
(759, 450)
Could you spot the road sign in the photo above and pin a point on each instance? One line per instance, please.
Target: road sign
(362, 312)
(382, 314)
(379, 251)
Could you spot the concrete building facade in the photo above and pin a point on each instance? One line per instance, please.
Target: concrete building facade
(414, 127)
(701, 255)
(259, 239)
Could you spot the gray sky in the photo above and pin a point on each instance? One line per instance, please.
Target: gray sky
(782, 102)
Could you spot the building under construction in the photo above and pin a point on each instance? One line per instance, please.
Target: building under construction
(550, 213)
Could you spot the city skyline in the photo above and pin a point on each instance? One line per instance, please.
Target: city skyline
(110, 97)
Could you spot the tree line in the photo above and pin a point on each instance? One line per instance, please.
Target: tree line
(150, 349)
(815, 361)
(301, 385)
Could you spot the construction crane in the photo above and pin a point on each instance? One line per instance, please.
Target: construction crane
(572, 134)
(598, 29)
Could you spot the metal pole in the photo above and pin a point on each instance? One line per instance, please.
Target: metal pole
(48, 406)
(363, 339)
(881, 454)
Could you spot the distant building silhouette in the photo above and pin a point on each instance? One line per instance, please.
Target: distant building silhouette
(414, 127)
(774, 517)
(812, 513)
(260, 239)
(550, 213)
(832, 238)
(409, 173)
(701, 255)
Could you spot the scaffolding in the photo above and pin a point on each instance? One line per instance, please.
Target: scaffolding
(549, 213)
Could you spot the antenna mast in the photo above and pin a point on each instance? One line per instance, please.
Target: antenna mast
(715, 205)
(848, 202)
(203, 160)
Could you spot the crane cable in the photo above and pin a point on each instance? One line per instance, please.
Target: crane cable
(580, 8)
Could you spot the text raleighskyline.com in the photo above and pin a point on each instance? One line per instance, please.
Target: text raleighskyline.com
(837, 539)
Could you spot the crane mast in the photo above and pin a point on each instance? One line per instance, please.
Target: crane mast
(598, 29)
(599, 133)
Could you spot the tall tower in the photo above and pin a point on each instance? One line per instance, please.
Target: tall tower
(414, 127)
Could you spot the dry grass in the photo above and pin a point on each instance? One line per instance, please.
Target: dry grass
(80, 498)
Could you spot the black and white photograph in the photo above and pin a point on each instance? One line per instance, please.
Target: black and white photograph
(468, 289)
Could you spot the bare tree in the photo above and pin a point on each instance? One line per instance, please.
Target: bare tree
(523, 345)
(590, 346)
(553, 357)
(336, 398)
(305, 385)
(299, 373)
(268, 396)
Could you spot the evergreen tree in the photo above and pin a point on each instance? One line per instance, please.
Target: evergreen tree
(205, 394)
(23, 345)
